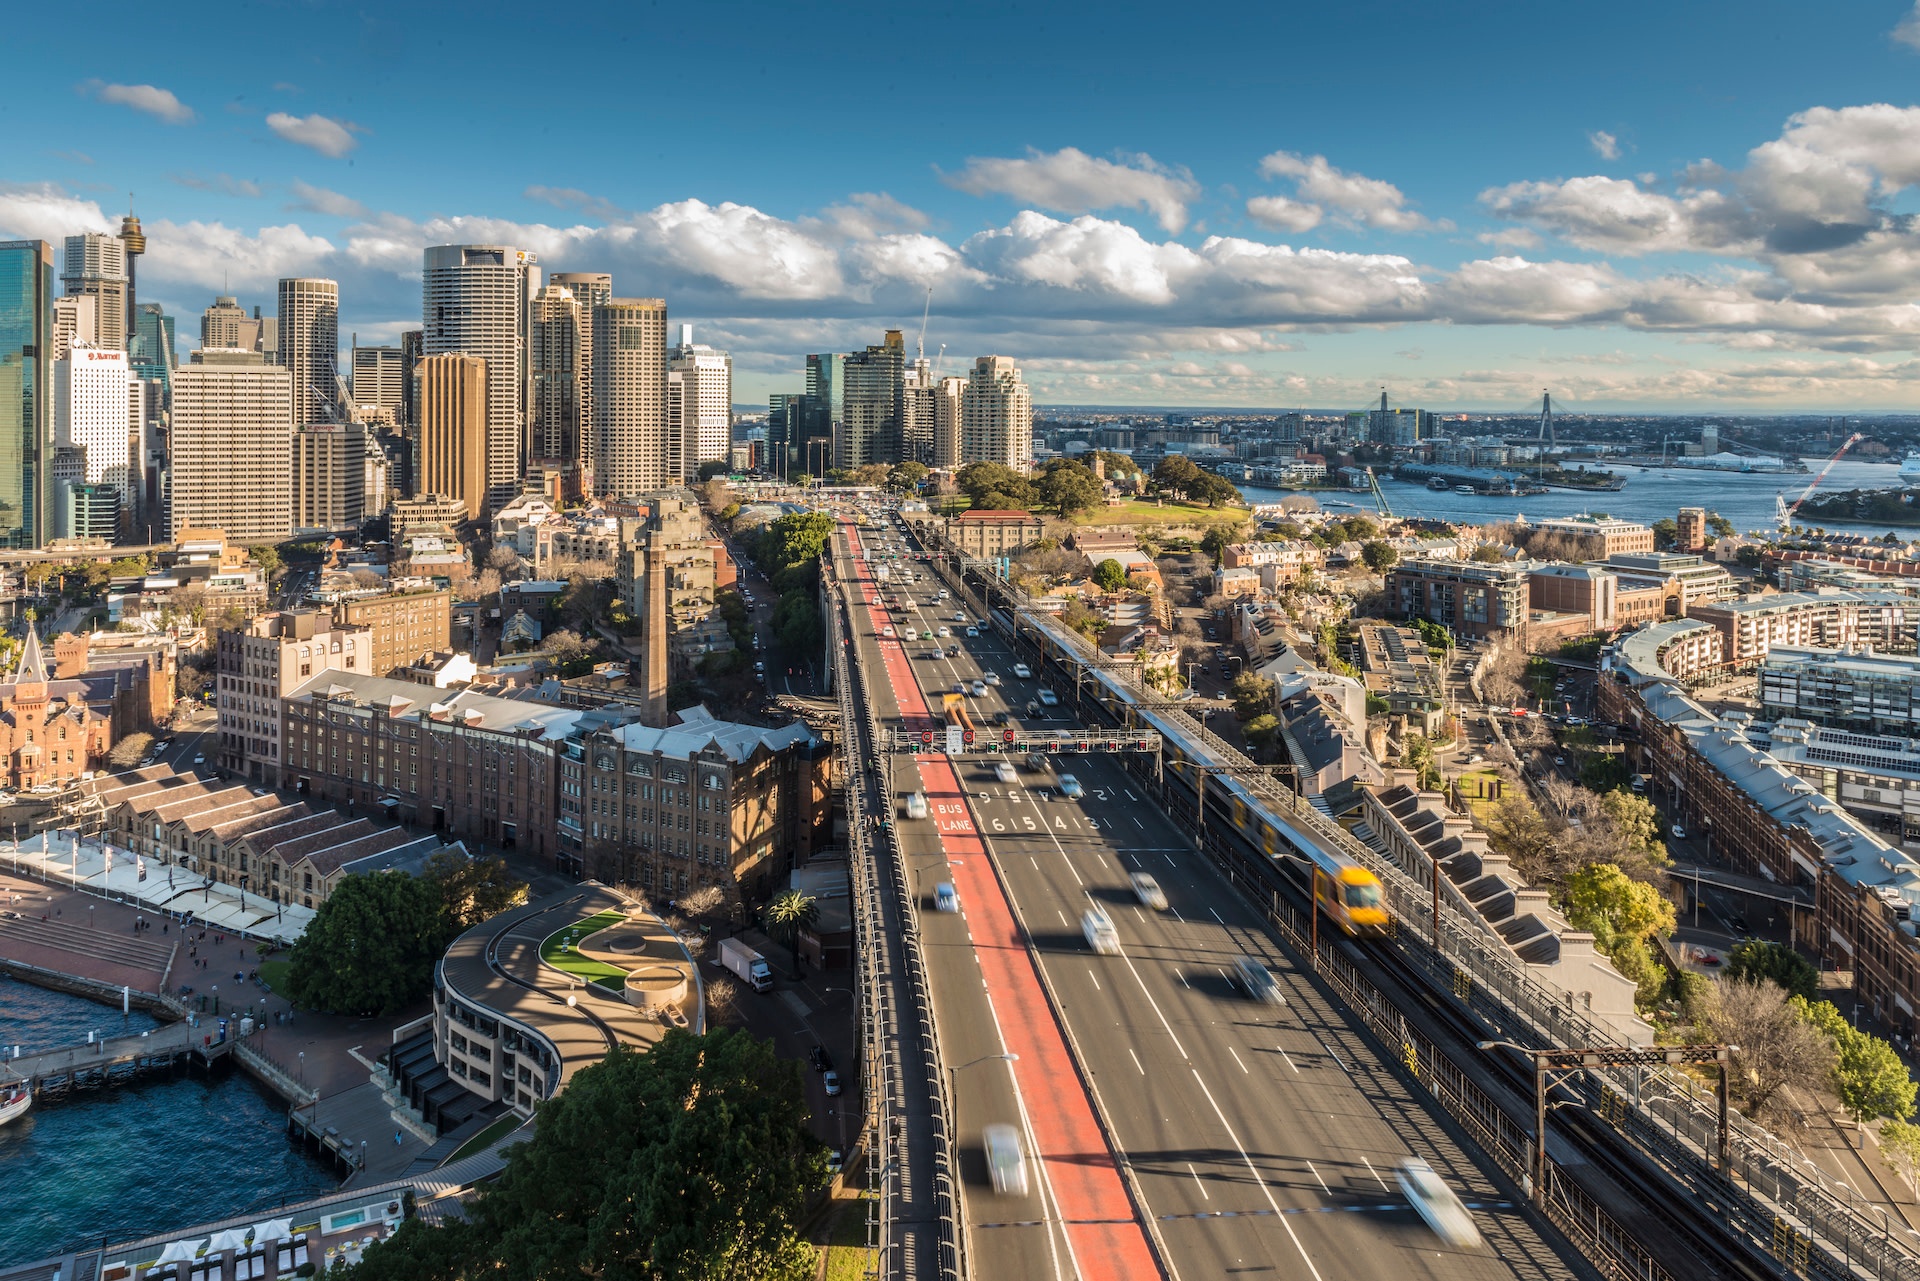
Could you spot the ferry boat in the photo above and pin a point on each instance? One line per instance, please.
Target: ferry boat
(15, 1099)
(1465, 489)
(1438, 483)
(1910, 468)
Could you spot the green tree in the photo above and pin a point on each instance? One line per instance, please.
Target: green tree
(1774, 962)
(1636, 827)
(1379, 557)
(1488, 554)
(1621, 914)
(1263, 730)
(473, 889)
(1177, 474)
(1068, 487)
(371, 946)
(1416, 753)
(1665, 533)
(1717, 525)
(267, 557)
(995, 486)
(1252, 695)
(708, 470)
(1900, 1148)
(1117, 464)
(730, 512)
(796, 621)
(906, 477)
(1221, 536)
(787, 916)
(1748, 557)
(1868, 1077)
(128, 567)
(1111, 575)
(693, 1160)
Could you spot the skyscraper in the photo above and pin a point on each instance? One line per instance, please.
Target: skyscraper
(26, 376)
(230, 464)
(76, 318)
(151, 349)
(95, 266)
(826, 411)
(916, 412)
(222, 325)
(453, 428)
(875, 387)
(309, 339)
(786, 428)
(589, 290)
(411, 350)
(93, 416)
(706, 425)
(996, 415)
(554, 355)
(475, 300)
(630, 397)
(379, 379)
(947, 429)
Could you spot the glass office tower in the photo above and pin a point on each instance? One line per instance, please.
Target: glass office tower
(26, 387)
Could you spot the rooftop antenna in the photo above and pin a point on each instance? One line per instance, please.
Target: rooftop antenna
(925, 312)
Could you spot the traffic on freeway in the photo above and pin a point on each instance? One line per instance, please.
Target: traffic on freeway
(1243, 1122)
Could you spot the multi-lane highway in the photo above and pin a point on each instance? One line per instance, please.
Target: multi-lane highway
(1167, 1110)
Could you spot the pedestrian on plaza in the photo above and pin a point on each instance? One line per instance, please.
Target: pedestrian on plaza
(396, 1138)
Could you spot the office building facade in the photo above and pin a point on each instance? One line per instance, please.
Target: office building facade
(630, 397)
(226, 326)
(826, 412)
(476, 302)
(230, 462)
(95, 266)
(379, 379)
(875, 390)
(453, 429)
(309, 338)
(706, 413)
(259, 664)
(94, 394)
(26, 379)
(555, 355)
(996, 415)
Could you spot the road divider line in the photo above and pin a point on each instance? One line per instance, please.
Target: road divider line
(1257, 1177)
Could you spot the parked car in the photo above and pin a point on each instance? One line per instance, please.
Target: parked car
(819, 1058)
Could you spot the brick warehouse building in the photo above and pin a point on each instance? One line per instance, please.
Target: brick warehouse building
(1714, 775)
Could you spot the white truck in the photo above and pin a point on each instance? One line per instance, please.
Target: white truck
(746, 964)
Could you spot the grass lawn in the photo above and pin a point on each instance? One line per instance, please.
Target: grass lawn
(488, 1137)
(1171, 513)
(577, 965)
(274, 974)
(846, 1248)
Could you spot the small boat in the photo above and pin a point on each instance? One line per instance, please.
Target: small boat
(1439, 483)
(1465, 489)
(1910, 468)
(14, 1101)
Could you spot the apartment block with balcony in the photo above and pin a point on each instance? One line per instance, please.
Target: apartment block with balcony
(1472, 599)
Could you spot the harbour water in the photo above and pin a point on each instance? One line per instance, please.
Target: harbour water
(136, 1159)
(1745, 498)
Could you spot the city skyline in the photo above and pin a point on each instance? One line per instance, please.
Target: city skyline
(1694, 212)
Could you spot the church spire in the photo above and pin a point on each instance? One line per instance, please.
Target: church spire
(33, 667)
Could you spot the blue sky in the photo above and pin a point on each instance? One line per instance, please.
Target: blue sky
(1693, 208)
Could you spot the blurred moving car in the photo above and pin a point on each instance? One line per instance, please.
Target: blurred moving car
(1148, 891)
(1437, 1203)
(1005, 1164)
(917, 805)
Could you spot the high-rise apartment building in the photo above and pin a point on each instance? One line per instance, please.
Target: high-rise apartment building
(706, 421)
(996, 415)
(476, 302)
(93, 415)
(630, 397)
(224, 326)
(947, 427)
(76, 319)
(379, 379)
(95, 266)
(309, 340)
(230, 465)
(26, 376)
(917, 412)
(555, 355)
(453, 428)
(875, 389)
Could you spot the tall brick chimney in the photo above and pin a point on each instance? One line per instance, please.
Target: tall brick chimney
(656, 624)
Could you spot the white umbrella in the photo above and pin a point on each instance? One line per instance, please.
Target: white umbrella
(180, 1252)
(231, 1239)
(272, 1230)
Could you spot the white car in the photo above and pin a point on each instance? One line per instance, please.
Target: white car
(979, 689)
(913, 633)
(1070, 787)
(1098, 927)
(959, 618)
(1048, 698)
(1003, 771)
(886, 631)
(944, 633)
(993, 679)
(1022, 671)
(1437, 1203)
(1148, 891)
(1004, 1161)
(1679, 832)
(917, 805)
(973, 631)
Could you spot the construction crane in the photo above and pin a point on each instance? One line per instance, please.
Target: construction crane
(1783, 514)
(1379, 497)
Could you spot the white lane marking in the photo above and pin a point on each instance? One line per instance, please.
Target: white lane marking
(1183, 980)
(1236, 1059)
(1284, 1219)
(1196, 1181)
(1136, 1060)
(1177, 916)
(1216, 916)
(1322, 1182)
(1335, 1058)
(1170, 862)
(1034, 861)
(1290, 1063)
(1129, 792)
(1062, 915)
(1376, 1175)
(1137, 823)
(1096, 981)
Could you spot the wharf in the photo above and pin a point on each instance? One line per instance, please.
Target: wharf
(110, 1061)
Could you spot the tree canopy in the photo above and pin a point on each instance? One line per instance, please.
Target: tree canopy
(1777, 963)
(997, 487)
(691, 1161)
(1110, 574)
(1068, 487)
(473, 889)
(1868, 1077)
(1378, 556)
(371, 946)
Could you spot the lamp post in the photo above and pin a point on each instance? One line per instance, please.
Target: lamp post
(1548, 1064)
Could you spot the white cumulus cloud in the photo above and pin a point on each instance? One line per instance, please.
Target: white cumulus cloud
(1604, 144)
(42, 211)
(1070, 181)
(155, 101)
(1354, 197)
(1283, 214)
(1907, 31)
(328, 137)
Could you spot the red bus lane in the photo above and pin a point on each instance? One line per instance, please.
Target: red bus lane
(1107, 1237)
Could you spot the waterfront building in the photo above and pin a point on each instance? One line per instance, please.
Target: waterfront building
(95, 266)
(453, 429)
(1599, 537)
(49, 732)
(308, 329)
(1469, 598)
(874, 390)
(259, 664)
(706, 398)
(475, 302)
(26, 378)
(996, 415)
(1690, 530)
(630, 441)
(230, 464)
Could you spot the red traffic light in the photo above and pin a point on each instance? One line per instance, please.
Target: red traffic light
(966, 736)
(1053, 745)
(1006, 736)
(1081, 746)
(926, 736)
